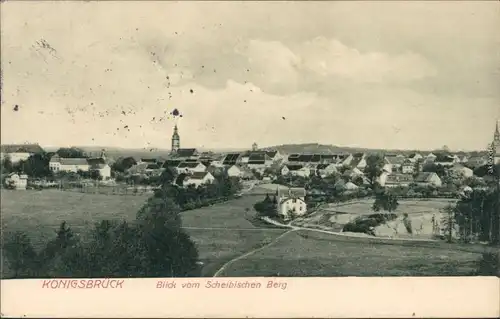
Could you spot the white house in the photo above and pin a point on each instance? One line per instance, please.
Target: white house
(198, 179)
(346, 161)
(234, 171)
(326, 169)
(395, 162)
(191, 167)
(60, 164)
(428, 179)
(18, 152)
(408, 167)
(395, 180)
(17, 181)
(295, 170)
(291, 203)
(415, 157)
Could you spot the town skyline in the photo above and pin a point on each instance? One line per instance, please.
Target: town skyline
(413, 82)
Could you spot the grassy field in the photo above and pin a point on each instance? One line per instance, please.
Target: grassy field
(313, 254)
(221, 232)
(234, 232)
(39, 213)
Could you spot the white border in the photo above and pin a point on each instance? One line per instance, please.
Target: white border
(347, 297)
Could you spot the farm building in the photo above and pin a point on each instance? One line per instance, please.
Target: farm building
(18, 152)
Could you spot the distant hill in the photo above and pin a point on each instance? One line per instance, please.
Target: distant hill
(333, 149)
(329, 149)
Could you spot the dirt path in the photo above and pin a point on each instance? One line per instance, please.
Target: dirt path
(229, 263)
(234, 229)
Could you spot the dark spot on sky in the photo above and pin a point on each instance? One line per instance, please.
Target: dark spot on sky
(126, 126)
(91, 103)
(16, 108)
(191, 90)
(248, 70)
(123, 112)
(283, 117)
(168, 78)
(136, 29)
(215, 71)
(245, 101)
(175, 112)
(176, 32)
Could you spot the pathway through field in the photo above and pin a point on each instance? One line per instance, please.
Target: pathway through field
(229, 263)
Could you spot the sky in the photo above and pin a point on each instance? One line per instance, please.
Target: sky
(396, 75)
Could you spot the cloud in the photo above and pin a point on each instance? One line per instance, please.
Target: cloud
(324, 57)
(271, 62)
(331, 57)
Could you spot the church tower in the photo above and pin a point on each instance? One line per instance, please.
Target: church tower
(496, 145)
(254, 147)
(176, 142)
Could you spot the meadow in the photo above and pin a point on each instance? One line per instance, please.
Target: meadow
(306, 253)
(221, 232)
(225, 231)
(39, 213)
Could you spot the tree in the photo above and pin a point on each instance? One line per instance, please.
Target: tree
(72, 152)
(20, 255)
(37, 165)
(385, 201)
(123, 164)
(7, 165)
(448, 221)
(160, 209)
(374, 166)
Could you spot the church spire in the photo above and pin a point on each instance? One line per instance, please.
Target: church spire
(497, 133)
(175, 140)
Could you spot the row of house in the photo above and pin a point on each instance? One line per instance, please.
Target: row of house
(99, 165)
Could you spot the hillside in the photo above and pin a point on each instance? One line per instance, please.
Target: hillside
(333, 149)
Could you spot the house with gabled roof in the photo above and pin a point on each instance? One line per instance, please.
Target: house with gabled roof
(396, 180)
(259, 160)
(198, 178)
(445, 160)
(190, 167)
(295, 170)
(186, 153)
(428, 179)
(408, 166)
(394, 162)
(413, 157)
(231, 159)
(291, 202)
(60, 164)
(358, 161)
(173, 163)
(18, 152)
